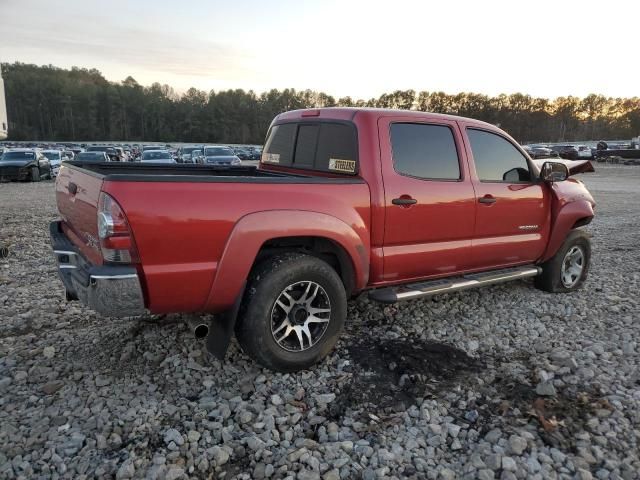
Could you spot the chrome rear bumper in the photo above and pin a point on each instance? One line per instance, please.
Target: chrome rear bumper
(112, 291)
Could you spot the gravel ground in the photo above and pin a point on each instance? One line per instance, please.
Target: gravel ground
(504, 382)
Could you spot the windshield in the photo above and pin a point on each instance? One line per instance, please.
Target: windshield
(155, 155)
(218, 151)
(12, 156)
(99, 156)
(52, 155)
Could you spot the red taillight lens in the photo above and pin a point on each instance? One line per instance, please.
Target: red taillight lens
(116, 241)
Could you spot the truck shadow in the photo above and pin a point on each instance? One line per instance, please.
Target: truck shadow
(390, 376)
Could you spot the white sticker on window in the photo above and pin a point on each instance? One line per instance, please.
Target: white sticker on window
(340, 165)
(271, 157)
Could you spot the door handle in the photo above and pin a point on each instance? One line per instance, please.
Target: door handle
(487, 199)
(73, 188)
(404, 201)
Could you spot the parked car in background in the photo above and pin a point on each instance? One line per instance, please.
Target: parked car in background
(241, 152)
(255, 152)
(337, 206)
(217, 155)
(568, 152)
(55, 159)
(584, 151)
(197, 156)
(25, 164)
(121, 155)
(185, 153)
(93, 157)
(110, 151)
(540, 151)
(152, 147)
(157, 156)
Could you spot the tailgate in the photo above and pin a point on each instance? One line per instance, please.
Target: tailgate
(77, 194)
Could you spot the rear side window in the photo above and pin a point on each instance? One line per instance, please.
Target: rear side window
(497, 159)
(424, 151)
(323, 146)
(279, 145)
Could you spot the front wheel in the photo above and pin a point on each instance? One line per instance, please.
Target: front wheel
(567, 270)
(35, 174)
(292, 313)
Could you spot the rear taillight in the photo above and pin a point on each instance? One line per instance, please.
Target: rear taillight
(116, 241)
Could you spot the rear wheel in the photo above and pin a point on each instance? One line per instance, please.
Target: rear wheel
(35, 174)
(567, 270)
(293, 311)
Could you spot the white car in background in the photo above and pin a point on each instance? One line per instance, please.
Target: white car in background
(584, 151)
(197, 156)
(157, 156)
(218, 155)
(55, 159)
(185, 153)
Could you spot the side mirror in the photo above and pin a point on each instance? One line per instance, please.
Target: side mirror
(554, 172)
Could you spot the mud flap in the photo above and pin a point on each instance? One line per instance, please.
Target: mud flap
(221, 329)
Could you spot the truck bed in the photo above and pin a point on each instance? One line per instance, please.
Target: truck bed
(182, 216)
(140, 172)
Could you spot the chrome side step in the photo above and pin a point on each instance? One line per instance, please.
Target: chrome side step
(455, 284)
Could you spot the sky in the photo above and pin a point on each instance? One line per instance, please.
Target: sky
(344, 48)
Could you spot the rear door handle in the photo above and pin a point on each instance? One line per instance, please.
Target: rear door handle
(488, 199)
(404, 201)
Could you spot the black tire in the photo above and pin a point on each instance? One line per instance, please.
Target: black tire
(35, 174)
(550, 280)
(266, 284)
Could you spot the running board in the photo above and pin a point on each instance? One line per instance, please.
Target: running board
(454, 284)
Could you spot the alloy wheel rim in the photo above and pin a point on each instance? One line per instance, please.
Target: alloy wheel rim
(572, 266)
(300, 316)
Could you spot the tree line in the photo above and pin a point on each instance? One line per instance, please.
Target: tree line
(50, 103)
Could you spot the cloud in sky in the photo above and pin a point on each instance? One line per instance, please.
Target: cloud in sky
(357, 48)
(141, 49)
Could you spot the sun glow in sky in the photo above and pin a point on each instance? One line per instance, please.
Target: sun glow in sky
(356, 48)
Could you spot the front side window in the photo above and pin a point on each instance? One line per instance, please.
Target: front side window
(497, 159)
(424, 151)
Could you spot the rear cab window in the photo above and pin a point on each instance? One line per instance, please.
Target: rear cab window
(323, 146)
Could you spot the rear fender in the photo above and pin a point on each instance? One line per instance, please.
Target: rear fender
(254, 230)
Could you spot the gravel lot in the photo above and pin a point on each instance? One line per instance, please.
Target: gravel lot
(504, 382)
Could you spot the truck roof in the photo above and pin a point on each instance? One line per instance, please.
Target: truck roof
(349, 113)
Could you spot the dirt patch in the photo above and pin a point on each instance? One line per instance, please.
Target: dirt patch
(557, 418)
(236, 466)
(389, 376)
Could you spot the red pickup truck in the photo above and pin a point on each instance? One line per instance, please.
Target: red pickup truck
(402, 204)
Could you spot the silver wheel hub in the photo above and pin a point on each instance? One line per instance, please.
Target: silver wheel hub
(572, 266)
(300, 316)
